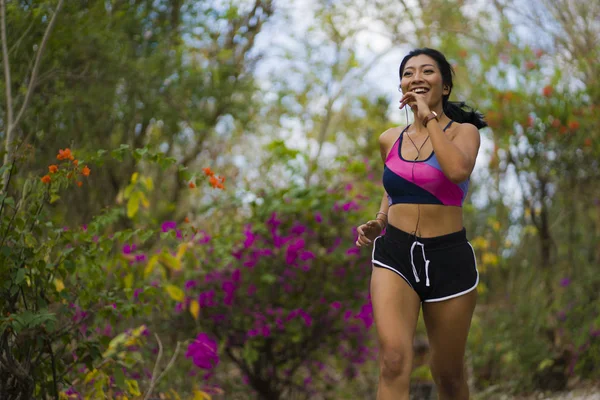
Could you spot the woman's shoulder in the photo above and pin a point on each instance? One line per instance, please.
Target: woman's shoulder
(391, 134)
(462, 128)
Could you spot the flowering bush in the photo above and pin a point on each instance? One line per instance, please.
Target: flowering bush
(285, 298)
(65, 289)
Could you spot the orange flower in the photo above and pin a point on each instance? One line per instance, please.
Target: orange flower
(192, 185)
(52, 168)
(208, 171)
(186, 220)
(556, 123)
(79, 183)
(214, 182)
(64, 154)
(85, 171)
(574, 125)
(46, 179)
(222, 179)
(530, 65)
(587, 142)
(547, 91)
(76, 163)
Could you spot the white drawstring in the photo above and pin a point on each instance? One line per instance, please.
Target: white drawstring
(412, 261)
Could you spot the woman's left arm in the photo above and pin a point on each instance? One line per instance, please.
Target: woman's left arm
(456, 156)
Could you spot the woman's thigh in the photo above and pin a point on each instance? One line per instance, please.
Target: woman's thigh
(448, 323)
(396, 311)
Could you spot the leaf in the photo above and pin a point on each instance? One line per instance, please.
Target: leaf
(150, 266)
(90, 375)
(149, 183)
(170, 261)
(133, 388)
(119, 377)
(128, 281)
(59, 284)
(195, 309)
(181, 251)
(268, 278)
(133, 205)
(144, 200)
(200, 395)
(134, 177)
(20, 276)
(175, 293)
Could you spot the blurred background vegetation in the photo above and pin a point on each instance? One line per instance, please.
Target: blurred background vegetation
(233, 150)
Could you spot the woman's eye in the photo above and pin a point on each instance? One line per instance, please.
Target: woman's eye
(429, 71)
(407, 74)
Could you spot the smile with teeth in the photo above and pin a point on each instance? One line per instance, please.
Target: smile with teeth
(420, 90)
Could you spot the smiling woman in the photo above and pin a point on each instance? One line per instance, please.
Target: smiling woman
(424, 257)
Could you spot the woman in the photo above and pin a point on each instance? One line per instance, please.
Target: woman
(424, 256)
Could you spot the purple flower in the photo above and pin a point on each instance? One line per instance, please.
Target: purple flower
(564, 282)
(336, 305)
(307, 318)
(190, 284)
(235, 276)
(366, 315)
(293, 250)
(318, 217)
(203, 352)
(298, 229)
(140, 258)
(206, 299)
(128, 249)
(273, 222)
(228, 287)
(307, 255)
(251, 290)
(136, 293)
(265, 331)
(168, 225)
(353, 251)
(595, 332)
(250, 237)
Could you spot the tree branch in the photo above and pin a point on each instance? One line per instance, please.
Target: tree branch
(12, 124)
(36, 66)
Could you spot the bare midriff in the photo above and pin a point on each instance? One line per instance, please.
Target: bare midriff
(433, 219)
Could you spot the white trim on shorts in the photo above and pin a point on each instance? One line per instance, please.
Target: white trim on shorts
(374, 261)
(463, 292)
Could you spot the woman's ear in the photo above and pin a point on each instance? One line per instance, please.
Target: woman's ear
(446, 90)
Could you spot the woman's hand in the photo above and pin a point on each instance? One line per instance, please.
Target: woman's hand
(417, 103)
(368, 232)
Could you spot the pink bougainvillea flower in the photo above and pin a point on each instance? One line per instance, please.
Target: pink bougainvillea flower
(273, 222)
(318, 217)
(168, 225)
(204, 352)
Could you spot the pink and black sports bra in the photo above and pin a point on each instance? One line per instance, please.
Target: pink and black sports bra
(420, 182)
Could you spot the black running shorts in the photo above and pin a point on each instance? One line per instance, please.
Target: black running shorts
(437, 268)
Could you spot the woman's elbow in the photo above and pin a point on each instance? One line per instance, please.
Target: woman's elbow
(459, 175)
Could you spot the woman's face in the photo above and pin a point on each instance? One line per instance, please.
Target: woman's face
(422, 75)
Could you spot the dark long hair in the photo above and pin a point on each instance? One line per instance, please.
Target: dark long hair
(457, 111)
